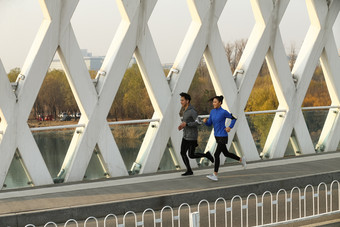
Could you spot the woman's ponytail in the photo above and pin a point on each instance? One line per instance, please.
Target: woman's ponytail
(219, 98)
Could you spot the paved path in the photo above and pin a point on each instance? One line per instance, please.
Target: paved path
(119, 195)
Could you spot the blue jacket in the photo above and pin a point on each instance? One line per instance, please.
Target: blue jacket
(217, 119)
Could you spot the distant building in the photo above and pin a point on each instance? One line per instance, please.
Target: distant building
(92, 63)
(164, 66)
(95, 62)
(56, 64)
(132, 61)
(167, 65)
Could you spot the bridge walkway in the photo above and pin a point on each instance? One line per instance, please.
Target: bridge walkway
(136, 193)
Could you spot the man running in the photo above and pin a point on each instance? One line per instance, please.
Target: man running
(190, 133)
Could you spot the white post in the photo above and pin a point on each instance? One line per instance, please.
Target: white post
(194, 219)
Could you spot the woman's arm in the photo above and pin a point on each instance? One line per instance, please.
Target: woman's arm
(233, 119)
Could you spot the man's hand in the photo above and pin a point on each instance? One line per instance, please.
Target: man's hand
(227, 129)
(181, 126)
(205, 120)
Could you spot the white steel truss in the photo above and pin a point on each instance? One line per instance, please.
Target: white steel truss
(203, 38)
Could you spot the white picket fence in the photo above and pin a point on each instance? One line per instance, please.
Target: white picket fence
(306, 205)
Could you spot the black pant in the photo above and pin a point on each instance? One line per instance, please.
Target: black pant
(222, 147)
(189, 145)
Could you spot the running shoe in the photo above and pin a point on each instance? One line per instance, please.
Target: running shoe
(213, 177)
(187, 173)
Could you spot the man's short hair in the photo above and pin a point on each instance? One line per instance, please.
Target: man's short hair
(185, 96)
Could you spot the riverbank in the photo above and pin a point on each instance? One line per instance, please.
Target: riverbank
(37, 124)
(33, 123)
(136, 131)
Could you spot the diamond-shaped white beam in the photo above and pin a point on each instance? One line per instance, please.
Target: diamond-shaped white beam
(330, 62)
(264, 41)
(283, 123)
(133, 37)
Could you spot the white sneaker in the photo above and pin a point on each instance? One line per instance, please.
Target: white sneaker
(212, 177)
(244, 163)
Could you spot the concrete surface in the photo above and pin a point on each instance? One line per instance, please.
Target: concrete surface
(59, 203)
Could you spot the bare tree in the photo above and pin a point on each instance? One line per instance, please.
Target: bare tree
(234, 52)
(292, 56)
(240, 45)
(229, 48)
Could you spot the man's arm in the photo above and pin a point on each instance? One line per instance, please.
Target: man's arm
(194, 116)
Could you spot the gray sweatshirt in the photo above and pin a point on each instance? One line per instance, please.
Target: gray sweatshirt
(190, 130)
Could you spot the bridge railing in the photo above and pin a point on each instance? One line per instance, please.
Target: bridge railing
(34, 129)
(268, 209)
(53, 143)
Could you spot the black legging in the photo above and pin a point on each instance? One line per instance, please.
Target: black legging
(189, 145)
(222, 147)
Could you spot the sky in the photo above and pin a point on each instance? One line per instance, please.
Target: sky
(96, 21)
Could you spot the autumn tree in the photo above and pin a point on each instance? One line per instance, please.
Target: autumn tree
(317, 93)
(262, 97)
(55, 95)
(201, 89)
(13, 74)
(132, 100)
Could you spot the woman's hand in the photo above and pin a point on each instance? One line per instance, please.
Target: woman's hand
(205, 120)
(227, 129)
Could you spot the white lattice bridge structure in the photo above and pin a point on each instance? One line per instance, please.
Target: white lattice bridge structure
(203, 38)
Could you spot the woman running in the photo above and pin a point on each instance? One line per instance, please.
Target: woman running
(217, 118)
